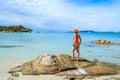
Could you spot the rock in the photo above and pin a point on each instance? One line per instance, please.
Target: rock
(88, 77)
(76, 72)
(100, 70)
(75, 77)
(45, 65)
(98, 41)
(10, 78)
(83, 64)
(64, 62)
(62, 65)
(80, 68)
(104, 42)
(47, 61)
(90, 69)
(48, 65)
(27, 69)
(41, 65)
(14, 74)
(15, 69)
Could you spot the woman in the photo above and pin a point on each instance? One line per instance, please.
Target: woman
(76, 44)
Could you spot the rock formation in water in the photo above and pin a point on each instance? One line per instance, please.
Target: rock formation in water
(104, 42)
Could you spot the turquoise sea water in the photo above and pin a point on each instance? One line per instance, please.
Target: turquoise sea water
(27, 46)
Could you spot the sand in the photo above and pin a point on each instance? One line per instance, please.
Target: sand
(53, 77)
(38, 77)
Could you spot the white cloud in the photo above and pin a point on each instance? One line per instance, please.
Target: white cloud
(59, 14)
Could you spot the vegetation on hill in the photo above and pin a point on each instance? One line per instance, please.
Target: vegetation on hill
(18, 28)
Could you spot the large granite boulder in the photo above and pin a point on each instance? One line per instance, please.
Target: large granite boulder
(47, 64)
(63, 65)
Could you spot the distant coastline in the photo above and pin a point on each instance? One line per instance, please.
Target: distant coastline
(21, 28)
(17, 28)
(90, 31)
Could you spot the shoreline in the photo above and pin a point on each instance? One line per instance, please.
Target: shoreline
(53, 77)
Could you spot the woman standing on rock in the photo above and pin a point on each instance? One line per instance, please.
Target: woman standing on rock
(76, 44)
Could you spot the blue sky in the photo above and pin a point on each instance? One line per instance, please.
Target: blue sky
(62, 15)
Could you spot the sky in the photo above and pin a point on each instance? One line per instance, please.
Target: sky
(62, 15)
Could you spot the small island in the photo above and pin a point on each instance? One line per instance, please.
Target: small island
(86, 31)
(18, 28)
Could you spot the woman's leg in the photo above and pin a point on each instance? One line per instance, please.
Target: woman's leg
(77, 49)
(73, 54)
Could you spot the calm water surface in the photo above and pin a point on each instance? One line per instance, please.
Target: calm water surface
(27, 46)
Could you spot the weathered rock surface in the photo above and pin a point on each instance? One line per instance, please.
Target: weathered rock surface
(104, 42)
(45, 65)
(27, 68)
(100, 70)
(15, 74)
(15, 69)
(62, 65)
(64, 62)
(9, 78)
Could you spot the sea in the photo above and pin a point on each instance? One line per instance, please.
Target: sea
(20, 47)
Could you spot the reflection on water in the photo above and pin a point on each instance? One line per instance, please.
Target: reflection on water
(90, 46)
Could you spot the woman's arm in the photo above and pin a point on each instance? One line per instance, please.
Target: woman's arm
(80, 39)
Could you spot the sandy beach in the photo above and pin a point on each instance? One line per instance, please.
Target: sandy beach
(53, 77)
(38, 77)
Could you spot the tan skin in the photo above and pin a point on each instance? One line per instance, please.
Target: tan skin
(77, 49)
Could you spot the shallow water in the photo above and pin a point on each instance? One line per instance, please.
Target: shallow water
(27, 46)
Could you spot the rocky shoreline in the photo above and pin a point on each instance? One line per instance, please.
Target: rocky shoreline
(62, 65)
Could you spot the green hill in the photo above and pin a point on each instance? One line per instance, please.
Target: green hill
(18, 28)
